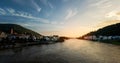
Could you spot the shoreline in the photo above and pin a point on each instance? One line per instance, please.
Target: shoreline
(114, 42)
(18, 45)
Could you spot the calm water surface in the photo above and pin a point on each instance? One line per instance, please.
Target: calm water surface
(70, 51)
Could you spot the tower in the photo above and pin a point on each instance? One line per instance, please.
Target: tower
(11, 31)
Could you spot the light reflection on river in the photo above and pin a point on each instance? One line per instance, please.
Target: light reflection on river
(70, 51)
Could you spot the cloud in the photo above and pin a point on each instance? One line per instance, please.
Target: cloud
(51, 6)
(13, 12)
(47, 3)
(102, 4)
(54, 22)
(2, 11)
(37, 7)
(113, 15)
(106, 23)
(10, 10)
(98, 11)
(32, 4)
(71, 13)
(99, 2)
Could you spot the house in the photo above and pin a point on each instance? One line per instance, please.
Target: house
(11, 36)
(23, 36)
(55, 38)
(47, 38)
(2, 35)
(105, 38)
(32, 38)
(39, 37)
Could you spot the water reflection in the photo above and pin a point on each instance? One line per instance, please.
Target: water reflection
(17, 50)
(71, 51)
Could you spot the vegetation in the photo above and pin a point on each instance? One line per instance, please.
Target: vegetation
(18, 36)
(111, 30)
(116, 42)
(17, 29)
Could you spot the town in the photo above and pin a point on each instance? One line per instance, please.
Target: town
(100, 38)
(13, 39)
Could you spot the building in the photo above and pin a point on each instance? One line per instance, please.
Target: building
(2, 35)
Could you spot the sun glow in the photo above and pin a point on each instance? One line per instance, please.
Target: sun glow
(69, 31)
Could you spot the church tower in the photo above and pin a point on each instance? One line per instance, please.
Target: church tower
(11, 31)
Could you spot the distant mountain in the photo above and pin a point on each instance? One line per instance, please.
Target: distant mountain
(17, 29)
(111, 30)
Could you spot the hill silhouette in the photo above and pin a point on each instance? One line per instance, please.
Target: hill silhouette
(111, 30)
(17, 28)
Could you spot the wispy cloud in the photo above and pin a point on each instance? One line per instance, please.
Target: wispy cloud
(71, 13)
(36, 6)
(50, 5)
(113, 15)
(2, 11)
(47, 3)
(102, 4)
(32, 3)
(13, 12)
(99, 2)
(28, 16)
(100, 11)
(10, 10)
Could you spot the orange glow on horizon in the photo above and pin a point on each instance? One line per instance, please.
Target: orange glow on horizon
(68, 32)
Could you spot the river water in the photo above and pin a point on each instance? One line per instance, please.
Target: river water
(70, 51)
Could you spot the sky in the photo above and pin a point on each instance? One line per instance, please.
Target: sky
(71, 18)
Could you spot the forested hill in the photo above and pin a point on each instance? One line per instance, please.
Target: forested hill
(17, 28)
(111, 30)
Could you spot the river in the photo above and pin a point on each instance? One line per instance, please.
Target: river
(70, 51)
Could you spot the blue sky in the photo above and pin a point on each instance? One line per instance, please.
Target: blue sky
(61, 17)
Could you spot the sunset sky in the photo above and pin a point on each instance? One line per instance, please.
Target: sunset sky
(60, 17)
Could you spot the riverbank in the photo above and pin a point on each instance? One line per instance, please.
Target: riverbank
(14, 43)
(11, 45)
(115, 42)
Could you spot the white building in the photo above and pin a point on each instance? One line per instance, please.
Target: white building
(2, 35)
(23, 36)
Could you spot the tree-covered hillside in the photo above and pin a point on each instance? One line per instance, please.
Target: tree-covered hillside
(17, 28)
(111, 30)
